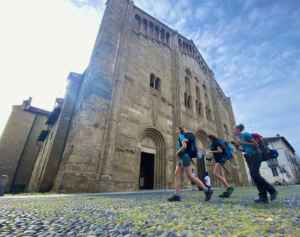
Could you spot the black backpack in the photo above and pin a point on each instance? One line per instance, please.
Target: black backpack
(191, 149)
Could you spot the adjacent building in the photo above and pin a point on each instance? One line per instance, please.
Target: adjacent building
(19, 146)
(285, 169)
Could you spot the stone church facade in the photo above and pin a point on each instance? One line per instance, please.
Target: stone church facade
(116, 127)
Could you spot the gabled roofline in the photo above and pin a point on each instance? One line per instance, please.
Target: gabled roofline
(278, 138)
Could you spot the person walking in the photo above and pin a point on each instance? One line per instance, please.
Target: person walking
(218, 149)
(207, 181)
(253, 159)
(194, 187)
(184, 161)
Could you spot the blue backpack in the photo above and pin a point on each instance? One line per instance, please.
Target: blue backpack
(227, 148)
(191, 149)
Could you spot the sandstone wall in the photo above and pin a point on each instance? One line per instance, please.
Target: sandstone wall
(18, 148)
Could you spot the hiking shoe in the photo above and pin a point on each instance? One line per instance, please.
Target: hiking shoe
(261, 200)
(230, 190)
(208, 194)
(226, 194)
(273, 196)
(174, 198)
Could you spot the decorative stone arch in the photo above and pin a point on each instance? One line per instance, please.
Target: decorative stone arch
(160, 160)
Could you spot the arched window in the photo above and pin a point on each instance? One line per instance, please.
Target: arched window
(187, 84)
(157, 32)
(168, 37)
(180, 43)
(186, 98)
(188, 72)
(199, 107)
(197, 92)
(162, 35)
(208, 113)
(157, 84)
(189, 102)
(138, 22)
(151, 28)
(188, 91)
(145, 24)
(152, 80)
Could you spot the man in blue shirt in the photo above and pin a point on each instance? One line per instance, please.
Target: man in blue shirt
(184, 162)
(254, 158)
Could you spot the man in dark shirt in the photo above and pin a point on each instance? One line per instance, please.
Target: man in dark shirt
(254, 158)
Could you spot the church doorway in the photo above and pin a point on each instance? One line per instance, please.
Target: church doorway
(146, 180)
(152, 157)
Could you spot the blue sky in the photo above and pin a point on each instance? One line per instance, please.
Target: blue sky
(253, 46)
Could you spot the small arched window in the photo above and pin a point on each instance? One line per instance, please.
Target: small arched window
(208, 113)
(199, 107)
(186, 97)
(145, 24)
(162, 35)
(180, 42)
(189, 101)
(198, 92)
(188, 72)
(152, 80)
(168, 37)
(157, 32)
(151, 28)
(138, 22)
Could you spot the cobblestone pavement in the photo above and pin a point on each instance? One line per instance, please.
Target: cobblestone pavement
(151, 215)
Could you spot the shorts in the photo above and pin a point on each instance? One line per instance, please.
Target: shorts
(185, 160)
(220, 160)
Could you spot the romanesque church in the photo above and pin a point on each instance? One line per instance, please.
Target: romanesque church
(115, 128)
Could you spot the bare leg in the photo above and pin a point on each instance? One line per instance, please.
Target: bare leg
(196, 180)
(178, 174)
(219, 174)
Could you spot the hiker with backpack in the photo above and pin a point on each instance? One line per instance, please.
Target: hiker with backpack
(254, 157)
(221, 153)
(186, 149)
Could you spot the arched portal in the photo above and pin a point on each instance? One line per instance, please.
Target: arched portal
(152, 157)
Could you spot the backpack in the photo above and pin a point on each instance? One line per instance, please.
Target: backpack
(266, 152)
(191, 149)
(227, 149)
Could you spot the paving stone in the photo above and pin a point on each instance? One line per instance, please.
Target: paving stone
(152, 216)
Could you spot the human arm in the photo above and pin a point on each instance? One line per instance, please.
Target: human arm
(182, 148)
(218, 151)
